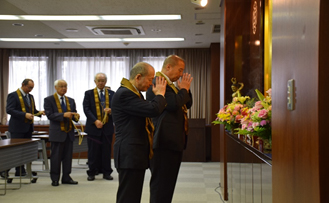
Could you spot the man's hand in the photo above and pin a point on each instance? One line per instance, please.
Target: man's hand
(42, 112)
(29, 116)
(160, 86)
(76, 116)
(98, 124)
(108, 110)
(185, 83)
(69, 114)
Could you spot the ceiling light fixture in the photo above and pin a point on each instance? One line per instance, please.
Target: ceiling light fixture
(18, 24)
(202, 3)
(91, 39)
(89, 17)
(71, 30)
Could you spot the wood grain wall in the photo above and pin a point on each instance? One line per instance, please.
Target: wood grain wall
(300, 52)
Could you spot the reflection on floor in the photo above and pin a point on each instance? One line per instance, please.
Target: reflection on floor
(197, 183)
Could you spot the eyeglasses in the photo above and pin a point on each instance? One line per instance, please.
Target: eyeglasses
(65, 86)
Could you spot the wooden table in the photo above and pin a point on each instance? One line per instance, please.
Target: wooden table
(40, 133)
(17, 152)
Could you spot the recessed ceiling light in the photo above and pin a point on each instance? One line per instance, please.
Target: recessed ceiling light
(198, 34)
(72, 30)
(156, 30)
(198, 42)
(199, 22)
(18, 24)
(38, 35)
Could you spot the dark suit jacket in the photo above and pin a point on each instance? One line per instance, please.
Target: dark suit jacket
(17, 120)
(169, 126)
(131, 147)
(55, 132)
(89, 109)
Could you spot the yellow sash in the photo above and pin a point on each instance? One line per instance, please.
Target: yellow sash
(20, 97)
(148, 124)
(183, 107)
(100, 114)
(60, 110)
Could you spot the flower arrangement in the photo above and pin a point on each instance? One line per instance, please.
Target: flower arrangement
(258, 121)
(232, 114)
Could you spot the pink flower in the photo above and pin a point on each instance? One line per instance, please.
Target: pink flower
(258, 105)
(244, 121)
(235, 112)
(263, 113)
(238, 107)
(244, 126)
(254, 125)
(263, 122)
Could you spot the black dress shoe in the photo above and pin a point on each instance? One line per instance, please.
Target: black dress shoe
(23, 174)
(91, 178)
(55, 183)
(71, 182)
(107, 177)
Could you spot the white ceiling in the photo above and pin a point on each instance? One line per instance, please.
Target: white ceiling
(185, 28)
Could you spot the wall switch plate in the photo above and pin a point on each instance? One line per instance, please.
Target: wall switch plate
(291, 95)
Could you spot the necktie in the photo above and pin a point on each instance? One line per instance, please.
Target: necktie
(63, 104)
(102, 98)
(27, 99)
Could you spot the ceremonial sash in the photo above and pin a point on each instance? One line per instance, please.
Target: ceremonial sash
(148, 123)
(184, 108)
(61, 111)
(20, 97)
(100, 113)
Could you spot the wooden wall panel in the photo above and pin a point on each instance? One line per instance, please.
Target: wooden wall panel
(323, 101)
(214, 64)
(296, 134)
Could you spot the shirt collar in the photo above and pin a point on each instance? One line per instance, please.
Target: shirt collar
(59, 97)
(23, 93)
(167, 78)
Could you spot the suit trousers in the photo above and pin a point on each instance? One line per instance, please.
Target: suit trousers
(99, 155)
(61, 153)
(130, 185)
(165, 166)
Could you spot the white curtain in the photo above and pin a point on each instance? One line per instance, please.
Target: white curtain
(34, 68)
(79, 74)
(78, 68)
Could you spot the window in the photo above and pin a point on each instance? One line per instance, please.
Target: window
(34, 68)
(77, 71)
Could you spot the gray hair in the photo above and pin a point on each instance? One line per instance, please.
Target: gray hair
(57, 81)
(100, 74)
(139, 68)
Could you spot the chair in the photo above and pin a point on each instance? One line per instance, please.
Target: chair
(8, 135)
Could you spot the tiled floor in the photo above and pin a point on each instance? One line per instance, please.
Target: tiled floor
(197, 183)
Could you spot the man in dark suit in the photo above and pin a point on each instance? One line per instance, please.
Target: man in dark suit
(170, 130)
(21, 107)
(134, 129)
(99, 126)
(61, 110)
